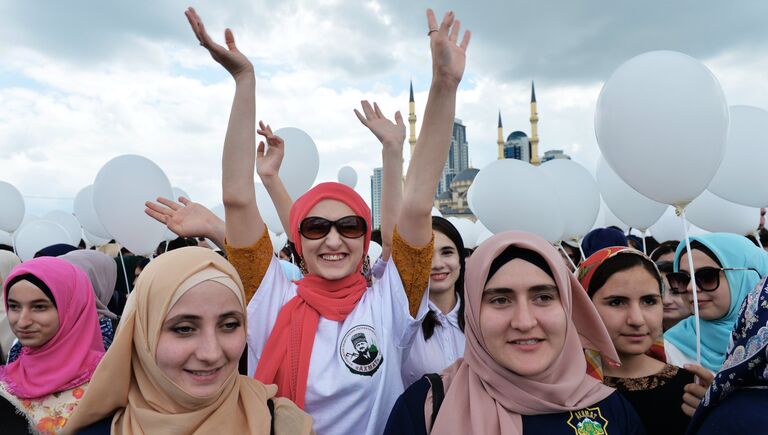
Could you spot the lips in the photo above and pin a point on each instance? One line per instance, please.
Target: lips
(438, 276)
(526, 344)
(333, 257)
(203, 376)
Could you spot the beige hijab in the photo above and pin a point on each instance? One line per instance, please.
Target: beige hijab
(483, 397)
(129, 381)
(8, 260)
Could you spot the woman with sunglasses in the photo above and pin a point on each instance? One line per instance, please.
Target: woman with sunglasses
(675, 308)
(524, 371)
(332, 345)
(727, 268)
(626, 288)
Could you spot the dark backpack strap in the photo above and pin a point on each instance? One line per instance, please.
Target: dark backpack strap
(438, 394)
(271, 406)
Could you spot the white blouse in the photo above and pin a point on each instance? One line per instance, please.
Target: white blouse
(443, 348)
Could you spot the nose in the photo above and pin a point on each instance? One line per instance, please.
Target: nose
(437, 262)
(25, 318)
(523, 318)
(209, 349)
(635, 315)
(333, 239)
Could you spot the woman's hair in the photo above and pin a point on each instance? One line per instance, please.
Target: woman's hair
(670, 246)
(37, 282)
(443, 226)
(695, 244)
(618, 263)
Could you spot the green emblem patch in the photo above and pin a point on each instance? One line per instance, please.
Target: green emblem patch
(588, 421)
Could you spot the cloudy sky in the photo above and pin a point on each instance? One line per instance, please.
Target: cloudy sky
(84, 81)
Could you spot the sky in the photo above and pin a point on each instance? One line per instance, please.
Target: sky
(82, 82)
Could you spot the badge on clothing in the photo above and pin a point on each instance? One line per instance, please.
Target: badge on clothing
(588, 421)
(360, 352)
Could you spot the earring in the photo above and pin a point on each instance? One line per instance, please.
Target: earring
(302, 266)
(366, 267)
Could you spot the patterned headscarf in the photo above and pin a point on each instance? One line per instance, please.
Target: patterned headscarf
(746, 361)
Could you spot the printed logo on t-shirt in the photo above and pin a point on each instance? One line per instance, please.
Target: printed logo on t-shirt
(360, 351)
(588, 421)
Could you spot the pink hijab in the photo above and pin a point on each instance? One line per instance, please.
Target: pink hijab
(70, 357)
(483, 397)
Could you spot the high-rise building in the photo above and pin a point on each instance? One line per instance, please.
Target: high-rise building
(458, 156)
(518, 145)
(376, 197)
(554, 154)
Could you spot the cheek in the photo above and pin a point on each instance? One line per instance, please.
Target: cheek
(722, 300)
(552, 320)
(172, 352)
(233, 344)
(493, 323)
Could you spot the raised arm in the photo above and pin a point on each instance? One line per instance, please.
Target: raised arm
(188, 219)
(448, 59)
(268, 161)
(244, 225)
(392, 137)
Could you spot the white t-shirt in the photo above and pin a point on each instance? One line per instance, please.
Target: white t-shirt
(441, 350)
(354, 373)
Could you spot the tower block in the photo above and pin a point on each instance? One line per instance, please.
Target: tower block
(534, 128)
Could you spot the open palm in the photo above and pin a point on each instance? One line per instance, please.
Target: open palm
(229, 57)
(448, 56)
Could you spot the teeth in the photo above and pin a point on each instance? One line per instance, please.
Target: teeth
(525, 342)
(334, 257)
(208, 373)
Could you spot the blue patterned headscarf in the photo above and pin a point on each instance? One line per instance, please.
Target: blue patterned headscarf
(746, 362)
(731, 250)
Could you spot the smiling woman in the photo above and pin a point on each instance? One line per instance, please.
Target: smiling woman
(172, 368)
(52, 310)
(524, 370)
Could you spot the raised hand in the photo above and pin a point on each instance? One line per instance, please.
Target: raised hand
(268, 161)
(230, 57)
(448, 57)
(188, 219)
(387, 132)
(694, 392)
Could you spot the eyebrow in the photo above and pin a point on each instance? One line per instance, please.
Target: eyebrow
(533, 289)
(193, 318)
(36, 301)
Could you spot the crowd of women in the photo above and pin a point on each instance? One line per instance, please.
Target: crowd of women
(429, 338)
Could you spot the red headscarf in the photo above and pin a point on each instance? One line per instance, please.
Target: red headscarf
(69, 358)
(286, 356)
(587, 270)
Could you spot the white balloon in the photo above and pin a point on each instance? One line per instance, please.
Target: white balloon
(669, 227)
(528, 210)
(715, 214)
(436, 212)
(626, 203)
(94, 240)
(483, 236)
(267, 210)
(577, 194)
(347, 175)
(470, 196)
(37, 235)
(741, 177)
(661, 122)
(5, 238)
(120, 190)
(374, 252)
(86, 213)
(11, 207)
(606, 218)
(177, 192)
(480, 231)
(69, 222)
(466, 229)
(301, 162)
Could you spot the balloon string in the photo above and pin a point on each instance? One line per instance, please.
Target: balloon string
(166, 246)
(125, 272)
(573, 266)
(583, 257)
(645, 243)
(757, 237)
(693, 284)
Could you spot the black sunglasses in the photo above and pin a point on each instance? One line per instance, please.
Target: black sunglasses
(707, 279)
(351, 227)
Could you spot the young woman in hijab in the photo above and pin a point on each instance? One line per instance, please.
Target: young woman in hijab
(52, 310)
(441, 340)
(524, 371)
(8, 260)
(675, 308)
(172, 368)
(102, 273)
(331, 344)
(626, 288)
(727, 268)
(736, 401)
